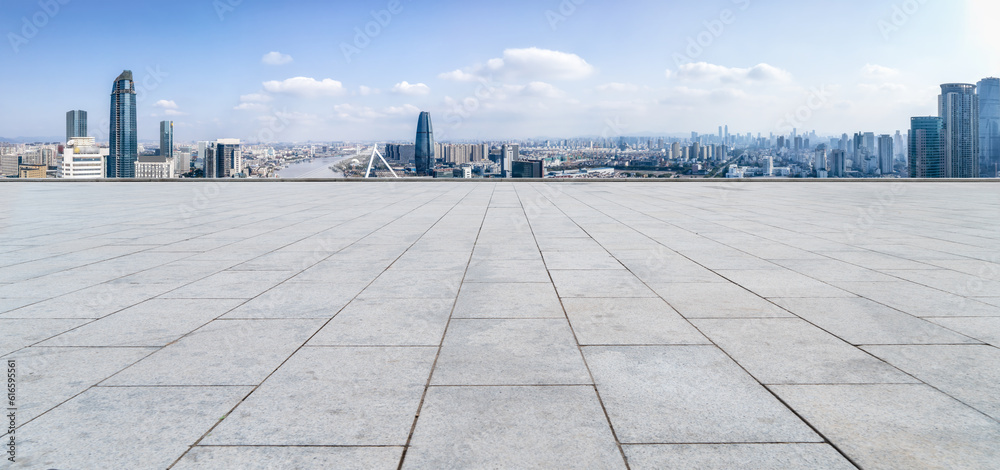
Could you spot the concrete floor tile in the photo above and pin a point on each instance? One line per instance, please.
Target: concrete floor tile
(688, 394)
(629, 322)
(512, 427)
(294, 299)
(617, 283)
(300, 458)
(333, 397)
(510, 352)
(697, 300)
(733, 456)
(508, 300)
(387, 322)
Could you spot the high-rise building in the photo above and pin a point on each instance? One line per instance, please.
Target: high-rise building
(885, 154)
(167, 139)
(508, 153)
(424, 152)
(838, 163)
(675, 150)
(124, 138)
(76, 124)
(224, 159)
(768, 166)
(927, 153)
(821, 163)
(989, 124)
(958, 107)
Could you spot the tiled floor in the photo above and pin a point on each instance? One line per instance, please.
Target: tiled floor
(502, 325)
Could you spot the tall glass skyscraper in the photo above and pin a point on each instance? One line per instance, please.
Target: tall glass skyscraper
(927, 148)
(424, 155)
(989, 124)
(76, 124)
(124, 144)
(958, 106)
(885, 154)
(167, 139)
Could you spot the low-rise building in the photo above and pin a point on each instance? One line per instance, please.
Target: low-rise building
(82, 159)
(154, 167)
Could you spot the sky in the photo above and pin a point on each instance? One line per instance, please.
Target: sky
(303, 70)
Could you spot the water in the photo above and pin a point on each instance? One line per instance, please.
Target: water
(317, 168)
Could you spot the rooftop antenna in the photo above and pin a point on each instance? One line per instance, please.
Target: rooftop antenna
(371, 163)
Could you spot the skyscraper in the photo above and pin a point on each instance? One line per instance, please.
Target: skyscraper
(838, 163)
(885, 154)
(508, 153)
(224, 159)
(958, 107)
(927, 148)
(167, 139)
(424, 154)
(989, 124)
(124, 142)
(76, 124)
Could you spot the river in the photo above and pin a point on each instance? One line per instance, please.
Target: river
(317, 168)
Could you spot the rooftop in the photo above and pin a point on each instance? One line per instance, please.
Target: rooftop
(502, 325)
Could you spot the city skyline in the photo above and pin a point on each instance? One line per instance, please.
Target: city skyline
(571, 69)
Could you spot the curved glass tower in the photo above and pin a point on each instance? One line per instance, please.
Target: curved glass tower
(124, 144)
(424, 155)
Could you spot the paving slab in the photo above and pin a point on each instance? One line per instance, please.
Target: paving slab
(921, 301)
(699, 300)
(986, 329)
(130, 427)
(792, 351)
(230, 285)
(863, 321)
(47, 377)
(510, 352)
(20, 333)
(608, 283)
(508, 300)
(224, 352)
(897, 426)
(333, 397)
(299, 458)
(688, 394)
(499, 270)
(513, 427)
(736, 456)
(153, 323)
(629, 322)
(969, 373)
(294, 299)
(387, 322)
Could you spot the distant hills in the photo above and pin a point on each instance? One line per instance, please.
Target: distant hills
(29, 140)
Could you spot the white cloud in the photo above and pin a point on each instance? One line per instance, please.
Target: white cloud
(618, 88)
(526, 64)
(404, 110)
(255, 98)
(276, 58)
(458, 76)
(250, 107)
(166, 104)
(542, 89)
(406, 88)
(703, 71)
(882, 88)
(173, 112)
(878, 71)
(305, 86)
(349, 112)
(366, 91)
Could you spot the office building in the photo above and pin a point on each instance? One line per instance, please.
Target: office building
(76, 125)
(768, 166)
(821, 163)
(154, 167)
(886, 155)
(989, 125)
(124, 142)
(958, 107)
(838, 163)
(400, 153)
(224, 159)
(182, 161)
(32, 171)
(424, 155)
(10, 163)
(167, 139)
(82, 159)
(508, 153)
(527, 169)
(927, 154)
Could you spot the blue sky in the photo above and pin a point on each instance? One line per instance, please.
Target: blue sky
(490, 70)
